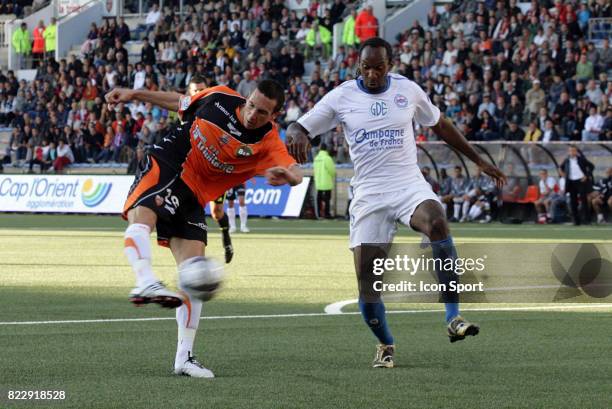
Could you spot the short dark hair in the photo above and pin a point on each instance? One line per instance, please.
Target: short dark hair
(273, 90)
(198, 79)
(377, 42)
(323, 147)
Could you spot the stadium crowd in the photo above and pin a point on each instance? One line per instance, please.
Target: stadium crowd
(498, 72)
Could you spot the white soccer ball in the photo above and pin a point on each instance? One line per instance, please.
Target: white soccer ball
(201, 277)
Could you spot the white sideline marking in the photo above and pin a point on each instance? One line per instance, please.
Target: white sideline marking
(314, 314)
(336, 308)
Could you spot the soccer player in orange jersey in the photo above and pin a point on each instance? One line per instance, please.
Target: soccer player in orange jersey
(224, 140)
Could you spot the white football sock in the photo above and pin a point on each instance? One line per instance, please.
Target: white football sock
(138, 252)
(466, 208)
(187, 320)
(231, 216)
(475, 212)
(243, 217)
(457, 209)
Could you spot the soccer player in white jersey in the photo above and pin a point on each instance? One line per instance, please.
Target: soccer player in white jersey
(376, 112)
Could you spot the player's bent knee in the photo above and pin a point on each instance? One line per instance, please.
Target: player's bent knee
(217, 213)
(142, 215)
(438, 228)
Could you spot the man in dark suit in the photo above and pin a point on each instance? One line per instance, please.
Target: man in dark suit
(579, 176)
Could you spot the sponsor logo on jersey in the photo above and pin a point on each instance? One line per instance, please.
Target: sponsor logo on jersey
(244, 151)
(363, 135)
(233, 129)
(224, 139)
(401, 101)
(379, 108)
(210, 153)
(225, 112)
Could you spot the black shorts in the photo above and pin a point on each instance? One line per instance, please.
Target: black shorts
(160, 188)
(236, 191)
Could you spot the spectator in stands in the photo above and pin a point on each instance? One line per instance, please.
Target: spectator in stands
(488, 128)
(40, 157)
(514, 132)
(153, 16)
(318, 38)
(579, 173)
(123, 31)
(366, 24)
(324, 170)
(546, 188)
(64, 156)
(349, 37)
(564, 115)
(606, 130)
(593, 126)
(594, 93)
(584, 68)
(136, 161)
(293, 111)
(22, 45)
(601, 197)
(533, 133)
(91, 42)
(604, 56)
(50, 35)
(147, 54)
(38, 47)
(535, 99)
(486, 105)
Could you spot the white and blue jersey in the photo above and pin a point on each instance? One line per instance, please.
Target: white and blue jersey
(378, 129)
(388, 184)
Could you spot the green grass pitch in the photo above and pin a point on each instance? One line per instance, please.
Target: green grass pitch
(269, 342)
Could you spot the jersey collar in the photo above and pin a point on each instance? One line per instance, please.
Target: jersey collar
(364, 89)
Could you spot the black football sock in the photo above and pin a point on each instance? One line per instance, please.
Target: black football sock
(224, 225)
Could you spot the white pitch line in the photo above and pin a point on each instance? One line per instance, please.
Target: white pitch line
(314, 314)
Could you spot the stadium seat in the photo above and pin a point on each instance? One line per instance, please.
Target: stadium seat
(531, 195)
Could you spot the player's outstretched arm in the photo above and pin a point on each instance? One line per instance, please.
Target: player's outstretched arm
(166, 100)
(279, 175)
(297, 142)
(451, 135)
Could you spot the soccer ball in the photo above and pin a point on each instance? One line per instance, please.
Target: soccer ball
(201, 277)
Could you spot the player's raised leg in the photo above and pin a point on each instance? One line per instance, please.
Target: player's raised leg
(187, 252)
(429, 218)
(138, 252)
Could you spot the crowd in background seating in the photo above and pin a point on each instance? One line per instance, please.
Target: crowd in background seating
(498, 72)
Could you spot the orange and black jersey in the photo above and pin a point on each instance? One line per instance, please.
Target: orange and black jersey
(213, 151)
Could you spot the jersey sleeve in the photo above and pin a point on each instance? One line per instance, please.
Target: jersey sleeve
(322, 117)
(426, 114)
(275, 154)
(186, 102)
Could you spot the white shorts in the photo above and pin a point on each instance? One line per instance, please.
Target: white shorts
(374, 216)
